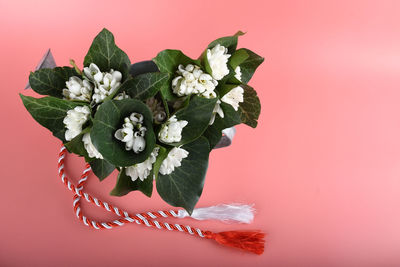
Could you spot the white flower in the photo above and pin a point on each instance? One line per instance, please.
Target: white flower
(192, 80)
(132, 133)
(90, 148)
(173, 160)
(218, 60)
(234, 97)
(74, 120)
(121, 96)
(110, 82)
(143, 169)
(93, 73)
(105, 82)
(77, 89)
(217, 110)
(171, 131)
(238, 73)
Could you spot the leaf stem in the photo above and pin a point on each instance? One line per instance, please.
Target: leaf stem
(73, 64)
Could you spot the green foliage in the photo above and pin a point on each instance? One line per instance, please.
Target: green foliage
(125, 185)
(76, 145)
(101, 168)
(251, 107)
(146, 85)
(108, 119)
(231, 118)
(249, 65)
(229, 42)
(51, 81)
(106, 55)
(183, 187)
(197, 114)
(168, 60)
(49, 112)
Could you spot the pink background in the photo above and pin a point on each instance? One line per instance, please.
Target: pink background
(323, 167)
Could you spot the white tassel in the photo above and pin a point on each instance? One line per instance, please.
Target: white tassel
(229, 213)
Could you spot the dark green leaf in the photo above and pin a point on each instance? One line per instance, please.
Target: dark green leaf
(238, 57)
(197, 114)
(146, 85)
(250, 107)
(101, 168)
(231, 118)
(125, 185)
(229, 42)
(76, 145)
(249, 66)
(106, 55)
(239, 33)
(108, 119)
(166, 92)
(165, 102)
(49, 112)
(51, 81)
(183, 187)
(169, 60)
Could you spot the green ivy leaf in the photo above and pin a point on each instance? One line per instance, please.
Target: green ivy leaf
(168, 60)
(125, 185)
(214, 131)
(51, 81)
(101, 168)
(183, 187)
(250, 107)
(106, 55)
(108, 119)
(239, 33)
(238, 58)
(197, 114)
(49, 112)
(249, 65)
(229, 42)
(76, 145)
(146, 85)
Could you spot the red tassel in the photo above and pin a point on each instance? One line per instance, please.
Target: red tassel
(250, 241)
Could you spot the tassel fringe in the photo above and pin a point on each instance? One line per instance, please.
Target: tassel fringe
(229, 213)
(252, 241)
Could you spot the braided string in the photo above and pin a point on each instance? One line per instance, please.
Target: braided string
(146, 219)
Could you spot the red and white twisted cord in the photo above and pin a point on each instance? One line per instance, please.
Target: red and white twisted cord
(251, 241)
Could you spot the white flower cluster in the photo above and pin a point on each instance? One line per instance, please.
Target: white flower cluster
(95, 86)
(234, 97)
(77, 89)
(105, 82)
(132, 133)
(192, 80)
(173, 160)
(171, 131)
(218, 60)
(143, 169)
(74, 121)
(90, 148)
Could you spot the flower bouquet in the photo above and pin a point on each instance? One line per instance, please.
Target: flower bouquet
(156, 125)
